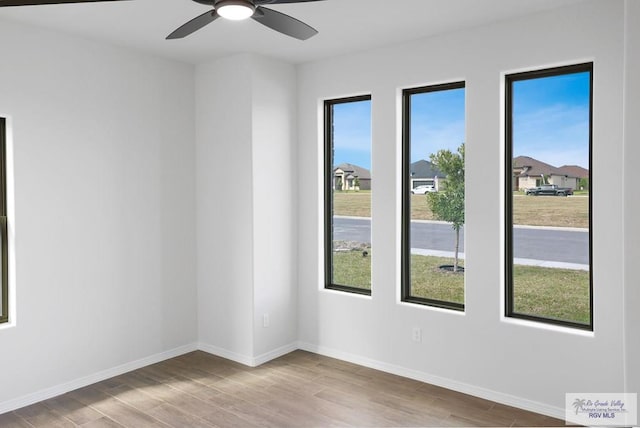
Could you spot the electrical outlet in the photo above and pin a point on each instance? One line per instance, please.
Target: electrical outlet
(265, 320)
(416, 334)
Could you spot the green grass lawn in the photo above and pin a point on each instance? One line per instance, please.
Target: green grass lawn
(351, 269)
(527, 210)
(429, 282)
(552, 293)
(546, 292)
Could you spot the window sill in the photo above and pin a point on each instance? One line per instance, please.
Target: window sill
(347, 292)
(548, 327)
(431, 308)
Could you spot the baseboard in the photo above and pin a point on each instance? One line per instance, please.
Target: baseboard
(272, 355)
(54, 391)
(476, 391)
(247, 360)
(225, 353)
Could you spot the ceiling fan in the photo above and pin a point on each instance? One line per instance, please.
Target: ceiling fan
(229, 9)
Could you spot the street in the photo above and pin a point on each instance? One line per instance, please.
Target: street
(538, 244)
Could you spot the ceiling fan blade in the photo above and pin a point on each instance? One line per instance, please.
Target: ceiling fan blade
(194, 25)
(263, 2)
(285, 24)
(4, 3)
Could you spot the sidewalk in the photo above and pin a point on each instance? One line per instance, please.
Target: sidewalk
(517, 261)
(515, 226)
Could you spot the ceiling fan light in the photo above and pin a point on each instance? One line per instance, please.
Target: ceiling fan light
(235, 10)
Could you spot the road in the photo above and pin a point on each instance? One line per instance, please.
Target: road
(539, 244)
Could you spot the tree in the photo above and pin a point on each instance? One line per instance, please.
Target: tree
(584, 184)
(448, 205)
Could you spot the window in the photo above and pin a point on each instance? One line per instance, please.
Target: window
(347, 184)
(4, 277)
(433, 199)
(548, 196)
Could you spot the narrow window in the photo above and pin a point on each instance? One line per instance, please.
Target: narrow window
(347, 184)
(4, 288)
(548, 196)
(433, 198)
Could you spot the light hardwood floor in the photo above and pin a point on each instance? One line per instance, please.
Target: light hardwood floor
(300, 389)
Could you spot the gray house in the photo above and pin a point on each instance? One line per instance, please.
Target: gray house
(423, 173)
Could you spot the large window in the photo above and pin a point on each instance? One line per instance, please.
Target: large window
(348, 194)
(433, 200)
(548, 196)
(4, 277)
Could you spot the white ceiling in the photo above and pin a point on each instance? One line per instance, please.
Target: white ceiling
(345, 26)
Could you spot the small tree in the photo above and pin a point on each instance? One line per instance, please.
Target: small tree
(584, 184)
(448, 205)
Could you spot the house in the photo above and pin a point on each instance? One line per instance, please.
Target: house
(347, 176)
(529, 172)
(167, 196)
(577, 171)
(424, 172)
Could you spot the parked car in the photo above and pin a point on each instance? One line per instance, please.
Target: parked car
(549, 190)
(421, 190)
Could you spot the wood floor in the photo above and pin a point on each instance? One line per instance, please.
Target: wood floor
(300, 389)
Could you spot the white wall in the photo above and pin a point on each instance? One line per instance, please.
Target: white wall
(245, 195)
(103, 227)
(514, 362)
(632, 203)
(225, 205)
(275, 180)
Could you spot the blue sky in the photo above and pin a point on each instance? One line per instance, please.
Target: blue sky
(551, 123)
(352, 133)
(551, 119)
(437, 122)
